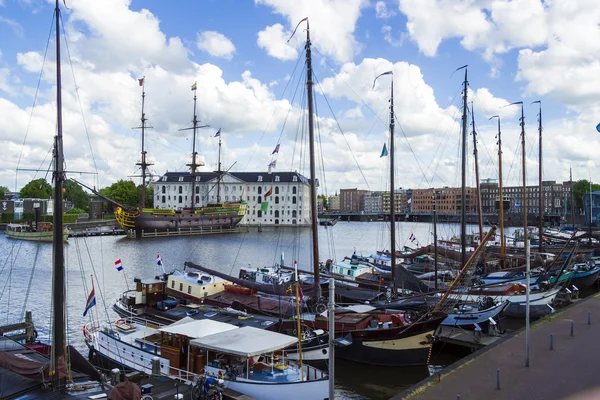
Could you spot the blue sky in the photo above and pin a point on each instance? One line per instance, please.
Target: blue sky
(237, 51)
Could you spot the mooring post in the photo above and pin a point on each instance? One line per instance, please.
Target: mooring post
(498, 379)
(572, 328)
(551, 341)
(589, 317)
(29, 329)
(458, 397)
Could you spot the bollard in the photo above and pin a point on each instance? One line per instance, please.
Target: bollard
(589, 317)
(551, 341)
(498, 379)
(155, 366)
(458, 397)
(572, 328)
(114, 376)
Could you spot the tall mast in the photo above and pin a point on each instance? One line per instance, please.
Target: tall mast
(540, 200)
(479, 205)
(219, 173)
(572, 199)
(143, 164)
(463, 206)
(501, 194)
(58, 278)
(313, 175)
(194, 165)
(392, 194)
(590, 200)
(524, 199)
(435, 251)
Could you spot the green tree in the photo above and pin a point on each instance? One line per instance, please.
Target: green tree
(36, 189)
(149, 203)
(123, 192)
(76, 210)
(580, 188)
(325, 205)
(75, 194)
(3, 191)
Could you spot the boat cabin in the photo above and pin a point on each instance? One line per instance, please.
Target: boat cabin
(192, 285)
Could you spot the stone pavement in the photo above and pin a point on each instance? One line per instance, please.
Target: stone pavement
(570, 371)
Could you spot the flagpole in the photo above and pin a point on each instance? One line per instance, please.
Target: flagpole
(125, 277)
(97, 316)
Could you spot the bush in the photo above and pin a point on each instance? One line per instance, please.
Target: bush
(76, 210)
(7, 217)
(28, 216)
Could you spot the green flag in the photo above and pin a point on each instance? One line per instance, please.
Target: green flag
(264, 206)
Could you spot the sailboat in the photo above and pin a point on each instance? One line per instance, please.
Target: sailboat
(191, 218)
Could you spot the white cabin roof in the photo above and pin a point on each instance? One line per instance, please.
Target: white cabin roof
(198, 328)
(245, 342)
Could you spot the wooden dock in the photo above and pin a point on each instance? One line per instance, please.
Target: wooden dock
(563, 352)
(193, 231)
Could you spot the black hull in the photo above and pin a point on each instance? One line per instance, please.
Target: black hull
(171, 224)
(357, 352)
(585, 281)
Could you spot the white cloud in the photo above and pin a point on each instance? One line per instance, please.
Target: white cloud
(274, 40)
(353, 113)
(15, 26)
(381, 10)
(332, 25)
(215, 44)
(387, 36)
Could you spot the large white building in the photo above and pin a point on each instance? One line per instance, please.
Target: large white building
(288, 200)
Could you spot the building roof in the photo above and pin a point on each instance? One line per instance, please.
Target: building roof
(245, 342)
(250, 177)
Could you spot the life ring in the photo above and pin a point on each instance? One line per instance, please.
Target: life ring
(120, 321)
(86, 333)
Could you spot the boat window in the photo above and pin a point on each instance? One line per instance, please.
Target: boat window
(181, 287)
(189, 289)
(173, 284)
(210, 314)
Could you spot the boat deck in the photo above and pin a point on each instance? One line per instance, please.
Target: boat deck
(553, 374)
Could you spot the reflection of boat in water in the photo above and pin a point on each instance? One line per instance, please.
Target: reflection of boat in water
(43, 233)
(327, 221)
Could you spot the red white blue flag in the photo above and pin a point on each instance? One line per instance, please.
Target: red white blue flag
(91, 301)
(118, 265)
(158, 259)
(276, 149)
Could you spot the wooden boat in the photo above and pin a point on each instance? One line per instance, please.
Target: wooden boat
(238, 289)
(43, 233)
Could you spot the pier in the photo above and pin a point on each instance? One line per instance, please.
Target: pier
(191, 231)
(563, 353)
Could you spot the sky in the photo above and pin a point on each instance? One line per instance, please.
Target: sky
(251, 85)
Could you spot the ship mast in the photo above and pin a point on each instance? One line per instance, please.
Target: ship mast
(194, 164)
(392, 195)
(219, 172)
(58, 272)
(524, 199)
(479, 208)
(540, 204)
(463, 205)
(501, 194)
(572, 199)
(143, 163)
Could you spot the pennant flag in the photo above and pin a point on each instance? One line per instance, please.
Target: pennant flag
(91, 301)
(264, 206)
(272, 164)
(385, 73)
(194, 86)
(218, 133)
(158, 259)
(269, 192)
(118, 265)
(276, 149)
(598, 127)
(384, 151)
(141, 81)
(412, 237)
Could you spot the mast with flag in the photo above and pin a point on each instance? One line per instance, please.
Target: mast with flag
(194, 164)
(144, 164)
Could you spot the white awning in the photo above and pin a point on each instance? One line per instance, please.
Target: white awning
(245, 342)
(197, 328)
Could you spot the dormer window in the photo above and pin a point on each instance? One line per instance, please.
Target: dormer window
(277, 178)
(295, 179)
(181, 179)
(164, 178)
(260, 178)
(198, 178)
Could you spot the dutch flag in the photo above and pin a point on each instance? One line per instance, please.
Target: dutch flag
(118, 265)
(158, 259)
(412, 238)
(91, 301)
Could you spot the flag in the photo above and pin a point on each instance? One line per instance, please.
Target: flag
(412, 237)
(384, 151)
(276, 149)
(141, 81)
(218, 133)
(272, 164)
(158, 259)
(385, 73)
(118, 265)
(194, 86)
(264, 206)
(91, 301)
(269, 192)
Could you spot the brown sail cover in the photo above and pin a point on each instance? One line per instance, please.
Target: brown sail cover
(126, 391)
(29, 368)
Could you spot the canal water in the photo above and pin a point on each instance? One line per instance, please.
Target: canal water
(26, 278)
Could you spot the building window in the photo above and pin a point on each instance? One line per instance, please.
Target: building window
(197, 199)
(181, 179)
(260, 178)
(276, 213)
(295, 179)
(276, 189)
(259, 213)
(180, 189)
(164, 178)
(277, 178)
(276, 199)
(181, 199)
(260, 190)
(198, 178)
(294, 200)
(294, 190)
(294, 214)
(164, 189)
(259, 199)
(163, 199)
(197, 189)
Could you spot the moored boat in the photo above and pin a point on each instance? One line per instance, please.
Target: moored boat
(44, 232)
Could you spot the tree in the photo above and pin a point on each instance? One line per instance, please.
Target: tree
(325, 205)
(3, 192)
(123, 192)
(149, 203)
(75, 194)
(580, 188)
(36, 189)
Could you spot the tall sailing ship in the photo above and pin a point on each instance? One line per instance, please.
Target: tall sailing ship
(194, 219)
